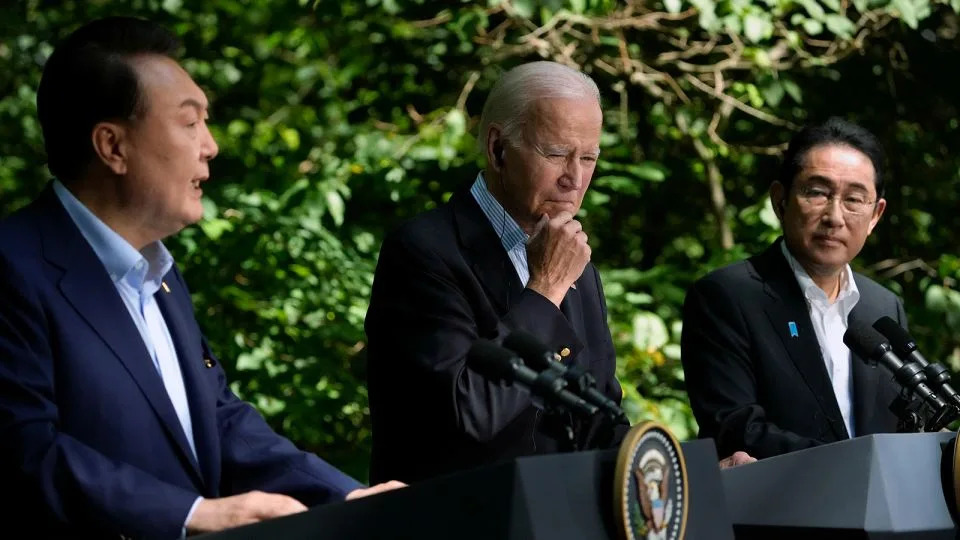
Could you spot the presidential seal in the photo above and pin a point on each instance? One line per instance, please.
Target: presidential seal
(650, 485)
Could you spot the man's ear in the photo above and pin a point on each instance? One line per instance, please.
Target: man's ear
(778, 199)
(495, 147)
(877, 213)
(110, 144)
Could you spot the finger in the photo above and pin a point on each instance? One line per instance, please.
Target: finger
(276, 505)
(581, 236)
(394, 484)
(562, 218)
(544, 219)
(573, 226)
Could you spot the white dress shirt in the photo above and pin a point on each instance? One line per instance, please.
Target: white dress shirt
(830, 323)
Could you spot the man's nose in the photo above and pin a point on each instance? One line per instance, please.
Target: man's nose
(572, 174)
(833, 212)
(209, 149)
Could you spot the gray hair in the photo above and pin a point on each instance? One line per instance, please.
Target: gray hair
(519, 88)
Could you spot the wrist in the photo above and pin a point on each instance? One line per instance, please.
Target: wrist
(553, 294)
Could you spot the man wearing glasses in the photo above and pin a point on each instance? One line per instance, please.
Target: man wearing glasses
(766, 368)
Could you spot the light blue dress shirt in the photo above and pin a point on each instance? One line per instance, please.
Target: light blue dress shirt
(137, 275)
(512, 236)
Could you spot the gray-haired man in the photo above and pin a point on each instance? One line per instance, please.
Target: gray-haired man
(504, 253)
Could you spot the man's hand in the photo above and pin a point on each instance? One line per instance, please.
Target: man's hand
(556, 255)
(373, 490)
(218, 514)
(738, 458)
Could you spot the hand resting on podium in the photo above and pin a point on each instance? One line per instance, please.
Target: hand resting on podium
(227, 512)
(738, 458)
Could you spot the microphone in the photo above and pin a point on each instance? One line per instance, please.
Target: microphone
(874, 349)
(536, 355)
(499, 364)
(906, 348)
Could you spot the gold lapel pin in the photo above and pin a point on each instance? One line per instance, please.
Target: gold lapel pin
(165, 287)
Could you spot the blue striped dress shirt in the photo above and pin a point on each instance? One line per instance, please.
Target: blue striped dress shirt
(513, 238)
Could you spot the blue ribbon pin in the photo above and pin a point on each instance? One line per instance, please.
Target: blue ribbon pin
(793, 329)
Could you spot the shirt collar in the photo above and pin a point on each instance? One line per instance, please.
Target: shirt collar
(510, 233)
(139, 269)
(847, 298)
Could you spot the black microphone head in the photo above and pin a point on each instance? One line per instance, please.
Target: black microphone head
(533, 351)
(491, 360)
(901, 340)
(866, 342)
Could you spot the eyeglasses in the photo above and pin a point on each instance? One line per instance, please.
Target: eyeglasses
(817, 198)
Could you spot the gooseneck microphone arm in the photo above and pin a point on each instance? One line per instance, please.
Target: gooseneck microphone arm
(580, 381)
(499, 364)
(871, 346)
(938, 377)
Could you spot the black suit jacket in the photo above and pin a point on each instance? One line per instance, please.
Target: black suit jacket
(444, 280)
(752, 386)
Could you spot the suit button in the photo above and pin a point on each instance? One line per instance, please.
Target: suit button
(565, 352)
(208, 362)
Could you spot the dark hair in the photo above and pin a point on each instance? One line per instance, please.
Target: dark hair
(89, 79)
(834, 131)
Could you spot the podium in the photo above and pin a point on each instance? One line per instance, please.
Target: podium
(555, 497)
(873, 487)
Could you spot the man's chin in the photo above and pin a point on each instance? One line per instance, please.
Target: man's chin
(554, 208)
(828, 262)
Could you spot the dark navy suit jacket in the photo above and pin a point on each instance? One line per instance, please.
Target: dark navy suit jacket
(89, 440)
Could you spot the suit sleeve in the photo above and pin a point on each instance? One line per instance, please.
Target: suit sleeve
(56, 474)
(719, 372)
(421, 317)
(901, 314)
(255, 457)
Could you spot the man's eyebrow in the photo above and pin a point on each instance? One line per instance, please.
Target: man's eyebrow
(190, 102)
(564, 149)
(819, 179)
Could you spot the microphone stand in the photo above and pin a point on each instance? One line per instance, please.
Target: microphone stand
(907, 411)
(557, 420)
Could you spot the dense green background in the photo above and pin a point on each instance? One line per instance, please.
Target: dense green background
(336, 120)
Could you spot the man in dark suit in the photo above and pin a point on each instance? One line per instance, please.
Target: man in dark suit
(762, 346)
(115, 416)
(505, 253)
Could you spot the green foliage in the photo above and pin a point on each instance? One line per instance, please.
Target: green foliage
(337, 120)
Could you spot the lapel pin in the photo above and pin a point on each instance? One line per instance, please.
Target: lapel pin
(793, 329)
(165, 287)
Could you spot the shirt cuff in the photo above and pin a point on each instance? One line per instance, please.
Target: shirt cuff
(183, 531)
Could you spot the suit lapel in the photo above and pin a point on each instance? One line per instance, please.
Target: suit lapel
(866, 379)
(572, 309)
(484, 251)
(88, 288)
(787, 305)
(201, 401)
